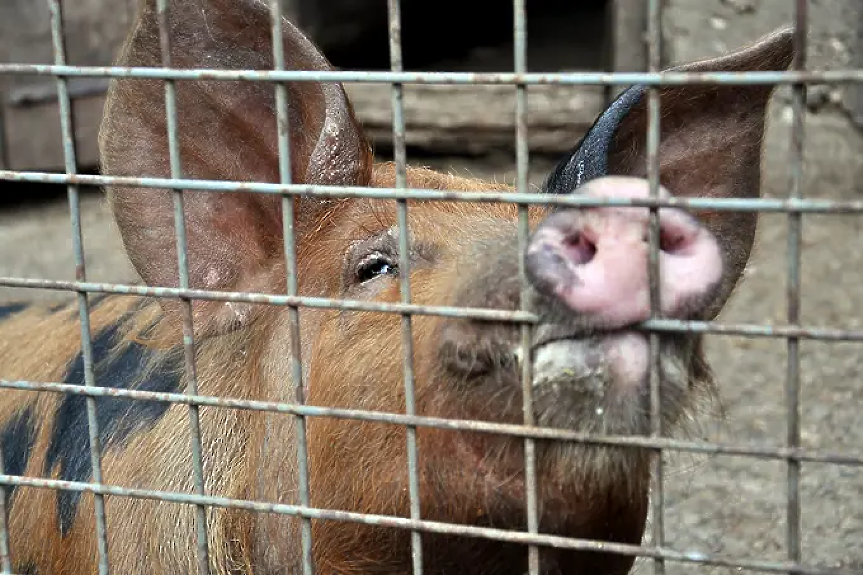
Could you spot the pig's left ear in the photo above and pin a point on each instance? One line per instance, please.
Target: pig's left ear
(226, 130)
(710, 144)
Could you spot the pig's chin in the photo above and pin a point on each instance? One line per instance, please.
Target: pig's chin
(600, 383)
(593, 364)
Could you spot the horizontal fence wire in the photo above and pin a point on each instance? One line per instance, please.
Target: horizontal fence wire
(667, 78)
(426, 526)
(762, 205)
(795, 206)
(465, 425)
(486, 314)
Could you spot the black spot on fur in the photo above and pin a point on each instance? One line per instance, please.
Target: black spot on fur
(17, 440)
(117, 418)
(11, 309)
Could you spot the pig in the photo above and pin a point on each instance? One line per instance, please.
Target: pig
(588, 287)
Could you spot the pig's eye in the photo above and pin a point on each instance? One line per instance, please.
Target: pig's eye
(375, 265)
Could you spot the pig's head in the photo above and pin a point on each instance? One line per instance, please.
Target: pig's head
(587, 269)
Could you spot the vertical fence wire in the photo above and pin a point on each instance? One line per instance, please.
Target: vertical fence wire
(792, 383)
(400, 157)
(67, 127)
(531, 487)
(654, 39)
(5, 559)
(176, 170)
(290, 247)
(4, 148)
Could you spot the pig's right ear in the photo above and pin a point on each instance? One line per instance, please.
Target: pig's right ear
(226, 131)
(710, 145)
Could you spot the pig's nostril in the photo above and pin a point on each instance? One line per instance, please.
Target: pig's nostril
(677, 237)
(671, 241)
(678, 234)
(579, 248)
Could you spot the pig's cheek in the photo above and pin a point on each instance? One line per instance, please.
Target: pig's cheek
(327, 360)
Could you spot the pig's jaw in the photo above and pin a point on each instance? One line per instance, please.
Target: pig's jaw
(601, 383)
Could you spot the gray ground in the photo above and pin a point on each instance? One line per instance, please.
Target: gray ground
(729, 506)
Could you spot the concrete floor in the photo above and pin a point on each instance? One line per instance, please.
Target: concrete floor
(729, 506)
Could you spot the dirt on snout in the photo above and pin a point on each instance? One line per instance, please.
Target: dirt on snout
(734, 508)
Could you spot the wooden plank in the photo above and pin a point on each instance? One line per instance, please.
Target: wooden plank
(439, 119)
(34, 140)
(477, 119)
(93, 31)
(627, 33)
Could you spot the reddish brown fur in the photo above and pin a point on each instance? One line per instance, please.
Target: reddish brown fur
(351, 359)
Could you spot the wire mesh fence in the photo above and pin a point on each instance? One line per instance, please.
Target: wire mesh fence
(795, 206)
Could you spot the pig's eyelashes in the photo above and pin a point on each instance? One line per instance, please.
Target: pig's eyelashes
(375, 265)
(370, 258)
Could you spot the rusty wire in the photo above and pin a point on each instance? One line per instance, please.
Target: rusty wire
(665, 78)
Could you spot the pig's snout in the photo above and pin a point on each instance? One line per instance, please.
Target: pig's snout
(595, 260)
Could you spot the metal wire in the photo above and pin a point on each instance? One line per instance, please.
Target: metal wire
(764, 205)
(795, 239)
(657, 495)
(795, 206)
(71, 165)
(290, 247)
(581, 78)
(530, 480)
(665, 325)
(5, 559)
(202, 550)
(4, 147)
(400, 157)
(520, 537)
(521, 431)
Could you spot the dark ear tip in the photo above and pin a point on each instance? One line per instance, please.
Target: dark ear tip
(779, 44)
(784, 33)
